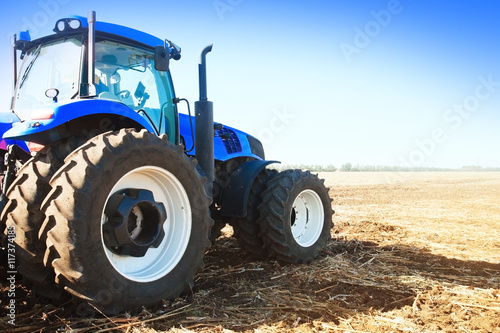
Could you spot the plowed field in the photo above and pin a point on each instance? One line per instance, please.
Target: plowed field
(410, 252)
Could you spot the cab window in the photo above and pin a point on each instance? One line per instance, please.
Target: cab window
(127, 75)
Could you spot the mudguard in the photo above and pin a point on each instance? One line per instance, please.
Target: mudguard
(44, 120)
(6, 121)
(235, 196)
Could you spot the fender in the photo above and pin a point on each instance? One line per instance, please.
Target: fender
(235, 196)
(6, 121)
(40, 128)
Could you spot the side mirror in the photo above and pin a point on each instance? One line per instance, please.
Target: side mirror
(162, 58)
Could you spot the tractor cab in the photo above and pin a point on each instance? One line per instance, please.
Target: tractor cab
(114, 64)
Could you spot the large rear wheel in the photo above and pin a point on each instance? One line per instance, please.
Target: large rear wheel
(132, 221)
(295, 216)
(22, 214)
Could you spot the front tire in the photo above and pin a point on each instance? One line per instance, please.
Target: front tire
(132, 221)
(247, 230)
(295, 216)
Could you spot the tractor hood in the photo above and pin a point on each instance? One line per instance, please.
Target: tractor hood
(229, 142)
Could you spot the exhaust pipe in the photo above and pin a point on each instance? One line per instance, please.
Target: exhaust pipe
(202, 72)
(204, 125)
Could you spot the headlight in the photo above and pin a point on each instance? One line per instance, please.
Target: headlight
(65, 25)
(61, 25)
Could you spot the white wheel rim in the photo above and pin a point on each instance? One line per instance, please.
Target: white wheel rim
(307, 218)
(157, 262)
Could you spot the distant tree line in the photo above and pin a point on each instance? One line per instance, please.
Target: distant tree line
(311, 167)
(478, 168)
(348, 167)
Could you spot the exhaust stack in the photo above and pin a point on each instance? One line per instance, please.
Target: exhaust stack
(204, 125)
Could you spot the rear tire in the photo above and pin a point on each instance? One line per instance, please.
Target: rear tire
(295, 216)
(86, 246)
(22, 213)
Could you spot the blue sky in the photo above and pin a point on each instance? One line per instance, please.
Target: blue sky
(404, 83)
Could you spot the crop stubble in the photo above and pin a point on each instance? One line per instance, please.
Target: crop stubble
(410, 252)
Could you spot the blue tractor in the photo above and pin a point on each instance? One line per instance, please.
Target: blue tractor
(110, 196)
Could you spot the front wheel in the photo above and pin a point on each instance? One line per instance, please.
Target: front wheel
(295, 216)
(246, 229)
(132, 221)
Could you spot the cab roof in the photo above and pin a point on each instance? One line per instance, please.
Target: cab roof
(75, 24)
(122, 31)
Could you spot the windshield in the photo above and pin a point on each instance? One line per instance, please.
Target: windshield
(54, 65)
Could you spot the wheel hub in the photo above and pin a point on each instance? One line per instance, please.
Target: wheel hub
(306, 218)
(134, 222)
